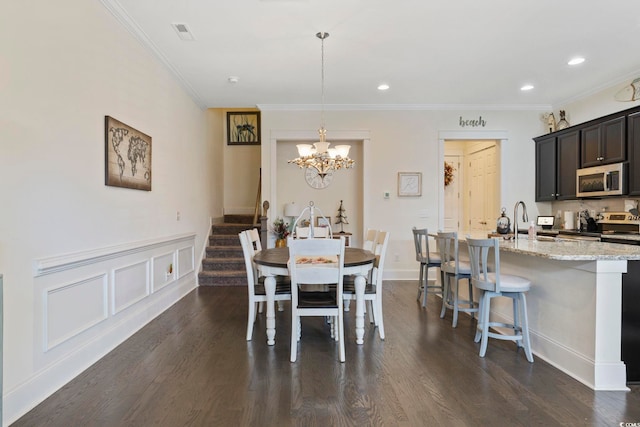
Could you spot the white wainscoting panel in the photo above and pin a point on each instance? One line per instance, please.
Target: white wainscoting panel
(164, 270)
(130, 285)
(186, 261)
(65, 317)
(89, 302)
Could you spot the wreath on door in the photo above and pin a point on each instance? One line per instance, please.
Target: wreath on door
(448, 173)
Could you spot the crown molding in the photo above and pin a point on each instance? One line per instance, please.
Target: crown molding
(128, 23)
(404, 107)
(614, 82)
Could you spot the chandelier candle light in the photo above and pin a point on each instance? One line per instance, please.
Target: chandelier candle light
(319, 156)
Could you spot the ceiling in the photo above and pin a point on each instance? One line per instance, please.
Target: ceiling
(432, 53)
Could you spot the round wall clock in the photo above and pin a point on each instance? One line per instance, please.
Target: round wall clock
(315, 180)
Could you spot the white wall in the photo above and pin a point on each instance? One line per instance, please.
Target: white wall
(64, 66)
(241, 179)
(597, 105)
(408, 141)
(346, 185)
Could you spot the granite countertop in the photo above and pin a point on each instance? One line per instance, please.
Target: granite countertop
(568, 250)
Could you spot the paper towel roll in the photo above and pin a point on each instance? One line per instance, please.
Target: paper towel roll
(569, 220)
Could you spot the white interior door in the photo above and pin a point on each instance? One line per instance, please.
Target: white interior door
(452, 201)
(476, 192)
(482, 189)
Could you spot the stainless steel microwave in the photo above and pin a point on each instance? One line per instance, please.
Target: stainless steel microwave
(600, 181)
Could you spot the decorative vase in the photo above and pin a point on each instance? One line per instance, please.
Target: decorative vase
(281, 243)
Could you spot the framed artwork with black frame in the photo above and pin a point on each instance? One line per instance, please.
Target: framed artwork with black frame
(127, 156)
(243, 128)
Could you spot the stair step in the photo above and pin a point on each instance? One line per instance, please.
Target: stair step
(224, 240)
(238, 219)
(222, 278)
(224, 251)
(231, 228)
(224, 264)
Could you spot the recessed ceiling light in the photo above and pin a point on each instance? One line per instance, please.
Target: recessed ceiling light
(383, 86)
(526, 87)
(233, 79)
(575, 61)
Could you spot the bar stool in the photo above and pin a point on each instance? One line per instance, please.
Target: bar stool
(493, 285)
(453, 268)
(427, 260)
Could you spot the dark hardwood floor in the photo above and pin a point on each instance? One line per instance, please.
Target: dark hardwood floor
(192, 366)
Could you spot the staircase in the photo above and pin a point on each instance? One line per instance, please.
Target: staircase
(224, 262)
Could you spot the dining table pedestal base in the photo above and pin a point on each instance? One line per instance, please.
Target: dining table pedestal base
(360, 284)
(270, 290)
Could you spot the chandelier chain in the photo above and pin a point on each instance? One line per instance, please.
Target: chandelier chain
(322, 158)
(322, 36)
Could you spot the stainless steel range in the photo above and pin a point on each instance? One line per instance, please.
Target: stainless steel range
(612, 226)
(619, 223)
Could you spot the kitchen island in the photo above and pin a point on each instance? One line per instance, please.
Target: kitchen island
(574, 305)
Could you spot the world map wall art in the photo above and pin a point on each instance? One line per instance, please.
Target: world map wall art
(127, 156)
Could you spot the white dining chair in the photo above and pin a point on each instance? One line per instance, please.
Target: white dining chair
(370, 239)
(256, 246)
(321, 232)
(373, 289)
(486, 277)
(318, 232)
(318, 263)
(256, 291)
(253, 235)
(302, 232)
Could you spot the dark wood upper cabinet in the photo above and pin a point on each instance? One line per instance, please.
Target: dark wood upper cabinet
(557, 159)
(568, 163)
(545, 169)
(610, 139)
(633, 139)
(603, 143)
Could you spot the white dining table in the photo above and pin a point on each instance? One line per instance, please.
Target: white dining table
(272, 262)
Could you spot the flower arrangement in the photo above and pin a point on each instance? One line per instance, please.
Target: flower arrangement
(448, 173)
(280, 229)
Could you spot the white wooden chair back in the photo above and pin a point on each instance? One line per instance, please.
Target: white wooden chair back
(370, 239)
(382, 241)
(316, 262)
(302, 232)
(254, 238)
(247, 252)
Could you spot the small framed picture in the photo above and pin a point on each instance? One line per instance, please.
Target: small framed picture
(409, 184)
(243, 128)
(323, 222)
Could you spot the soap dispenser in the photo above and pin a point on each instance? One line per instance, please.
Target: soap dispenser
(532, 231)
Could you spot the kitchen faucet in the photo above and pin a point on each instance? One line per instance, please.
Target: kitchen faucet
(525, 217)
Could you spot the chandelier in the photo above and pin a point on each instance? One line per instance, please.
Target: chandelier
(319, 156)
